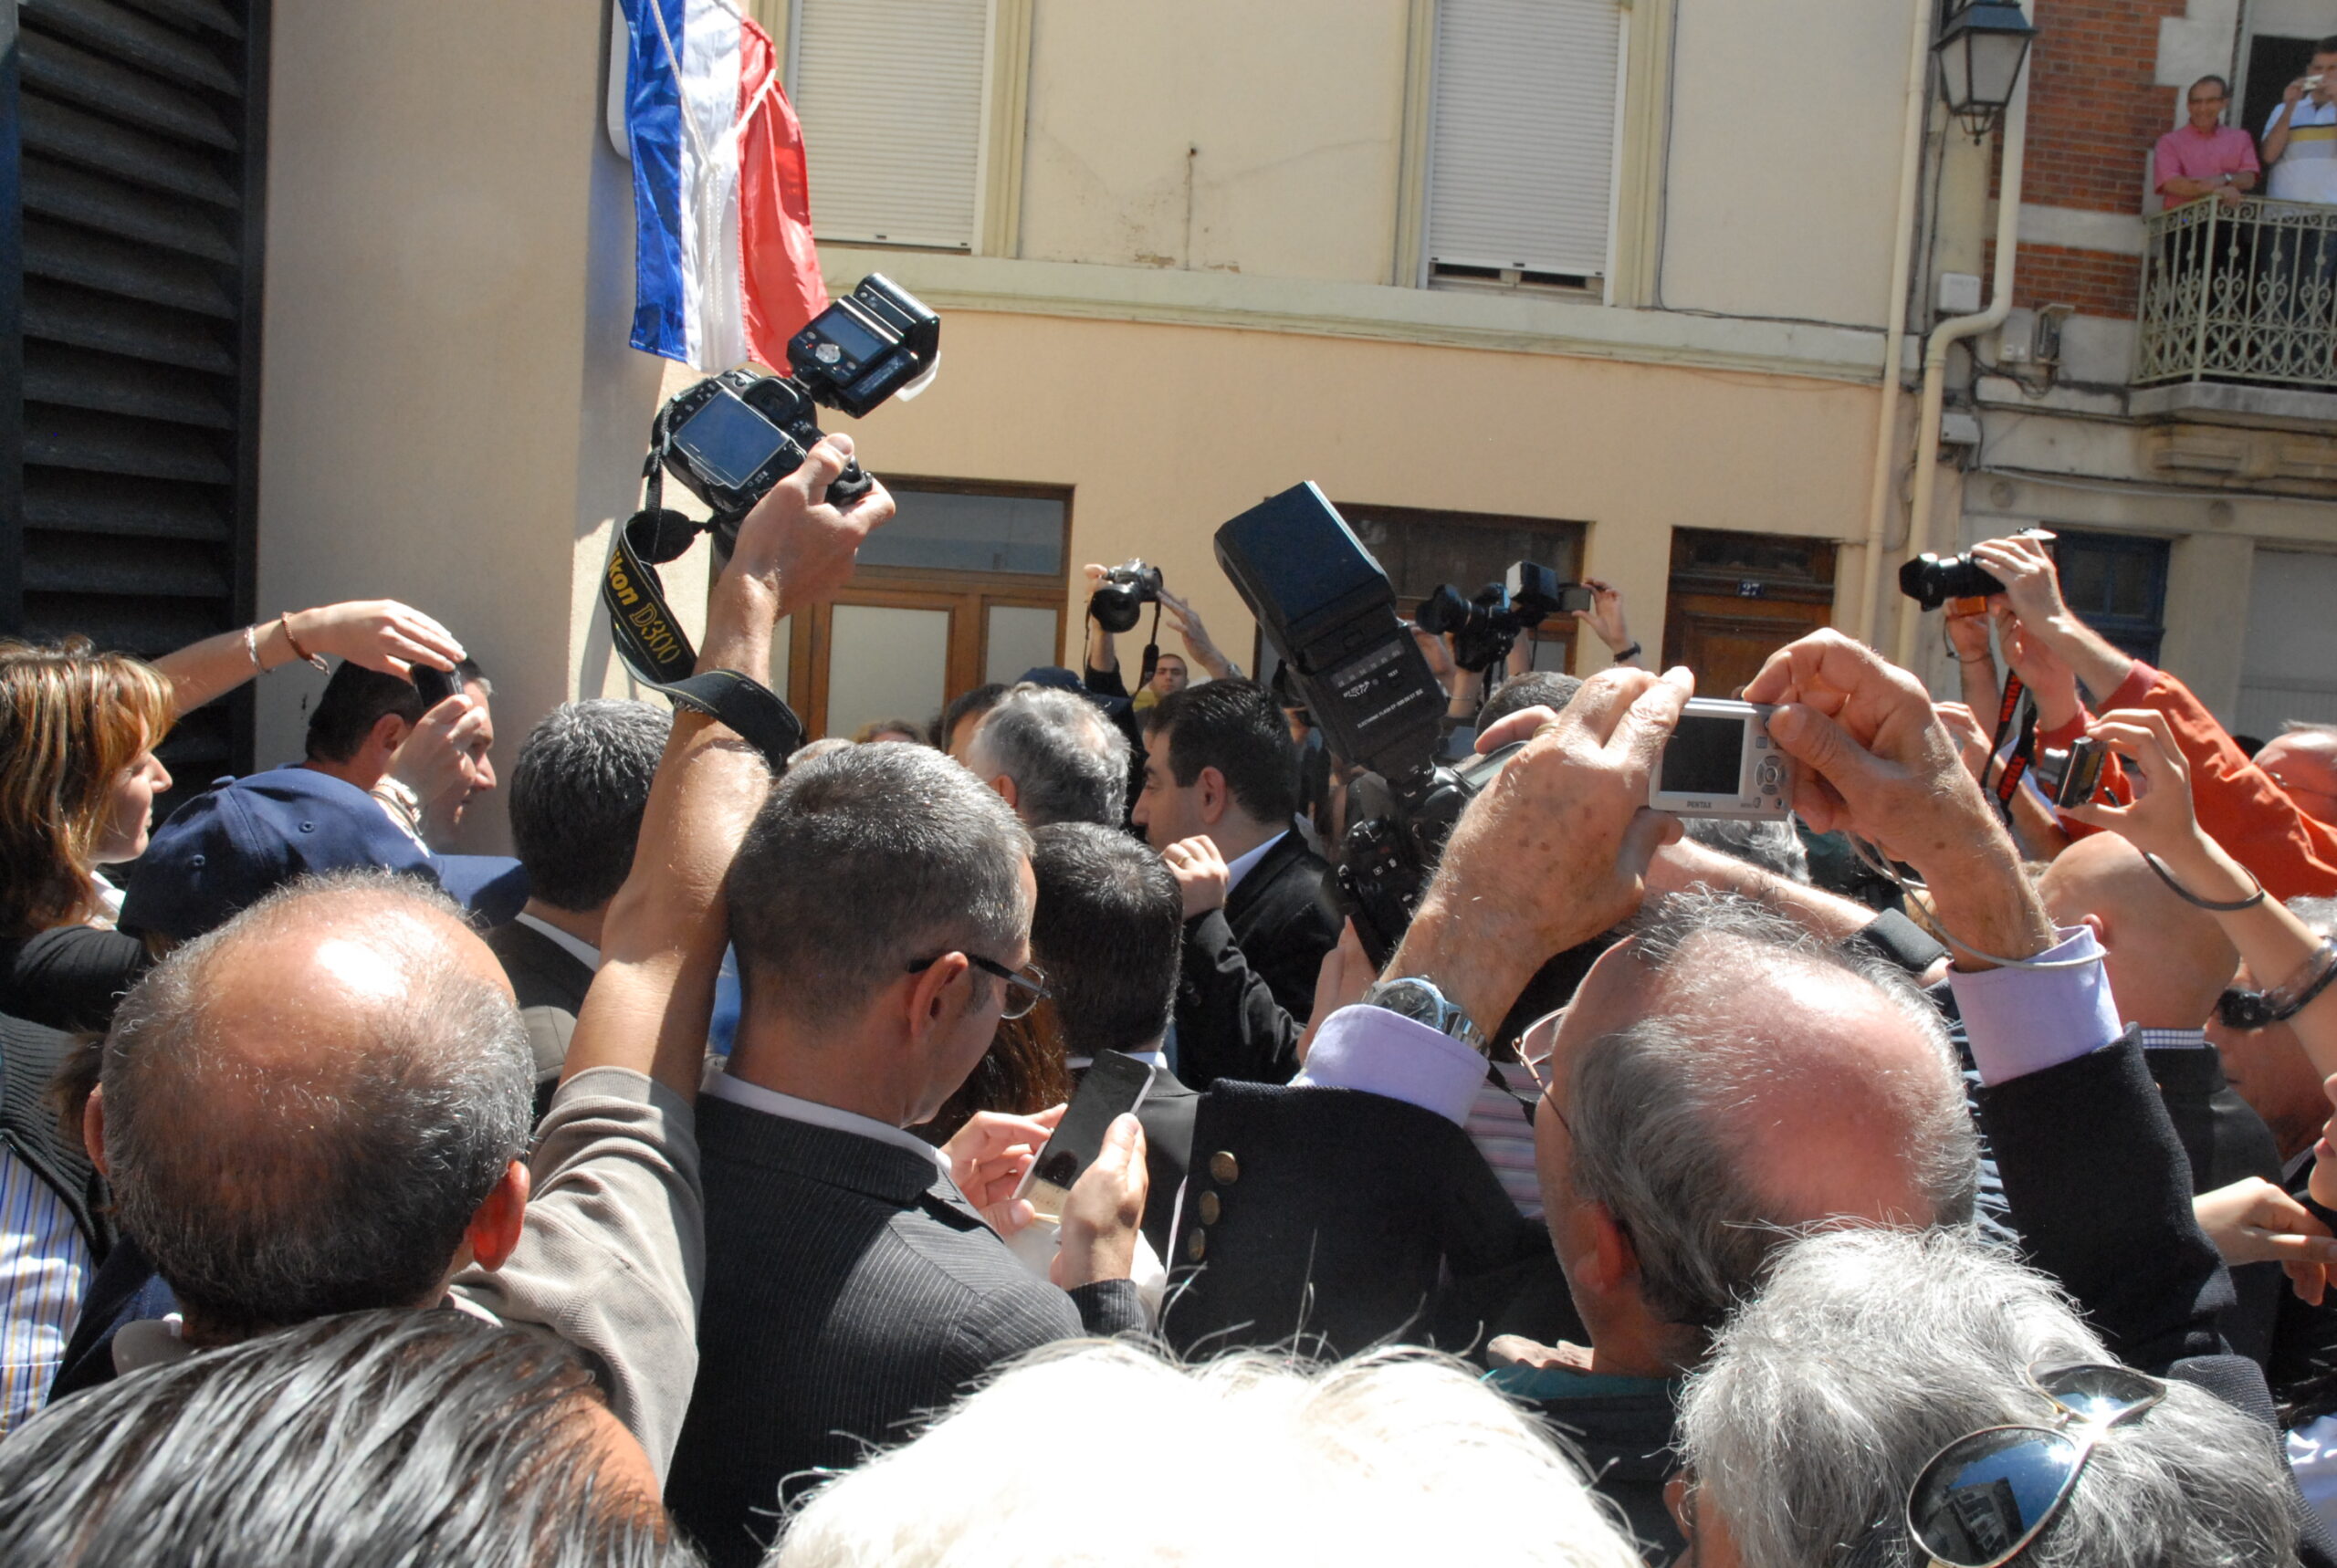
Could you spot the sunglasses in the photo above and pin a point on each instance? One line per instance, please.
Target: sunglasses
(2241, 1008)
(1984, 1498)
(1025, 987)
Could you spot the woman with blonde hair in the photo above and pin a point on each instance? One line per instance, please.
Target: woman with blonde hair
(79, 778)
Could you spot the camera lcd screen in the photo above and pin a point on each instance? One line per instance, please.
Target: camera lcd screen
(1704, 756)
(859, 344)
(728, 439)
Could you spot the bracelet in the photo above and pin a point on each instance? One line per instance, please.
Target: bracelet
(2250, 902)
(2292, 999)
(285, 621)
(1625, 655)
(251, 650)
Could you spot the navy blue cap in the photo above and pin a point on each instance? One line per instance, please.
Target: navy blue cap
(244, 837)
(1062, 680)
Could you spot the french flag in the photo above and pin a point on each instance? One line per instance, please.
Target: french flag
(725, 268)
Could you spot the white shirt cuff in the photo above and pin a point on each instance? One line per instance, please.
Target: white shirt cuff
(2019, 1021)
(1386, 1053)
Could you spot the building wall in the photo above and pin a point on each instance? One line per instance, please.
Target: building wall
(448, 410)
(1166, 431)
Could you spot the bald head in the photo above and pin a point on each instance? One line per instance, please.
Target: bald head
(2303, 760)
(2168, 958)
(303, 1109)
(1726, 1077)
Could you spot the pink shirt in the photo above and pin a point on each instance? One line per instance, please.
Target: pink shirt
(2185, 154)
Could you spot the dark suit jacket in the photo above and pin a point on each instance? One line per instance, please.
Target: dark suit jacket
(1248, 982)
(2099, 1189)
(1167, 1115)
(550, 982)
(1347, 1218)
(849, 1291)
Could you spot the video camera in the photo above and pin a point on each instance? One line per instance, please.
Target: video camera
(1330, 612)
(1932, 583)
(731, 437)
(1484, 628)
(1119, 599)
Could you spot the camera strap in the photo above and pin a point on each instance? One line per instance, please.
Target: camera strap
(654, 645)
(2016, 709)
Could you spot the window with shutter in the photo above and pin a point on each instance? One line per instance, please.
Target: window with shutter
(138, 280)
(1522, 140)
(890, 95)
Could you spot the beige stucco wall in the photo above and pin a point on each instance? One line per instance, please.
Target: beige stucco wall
(447, 401)
(1783, 166)
(1164, 432)
(1216, 135)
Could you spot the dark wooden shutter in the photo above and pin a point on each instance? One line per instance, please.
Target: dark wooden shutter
(136, 151)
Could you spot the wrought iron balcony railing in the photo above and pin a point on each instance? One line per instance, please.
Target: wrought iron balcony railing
(2239, 293)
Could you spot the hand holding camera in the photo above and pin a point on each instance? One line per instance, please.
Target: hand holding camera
(798, 545)
(1554, 849)
(1876, 760)
(2160, 820)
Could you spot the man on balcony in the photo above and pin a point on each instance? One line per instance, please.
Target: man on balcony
(2300, 138)
(2206, 157)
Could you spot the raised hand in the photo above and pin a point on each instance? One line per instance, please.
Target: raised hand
(1201, 873)
(378, 633)
(798, 544)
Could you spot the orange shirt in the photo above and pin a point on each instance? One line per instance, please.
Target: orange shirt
(2238, 804)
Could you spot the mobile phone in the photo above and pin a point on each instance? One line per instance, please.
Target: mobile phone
(434, 685)
(1574, 596)
(1116, 1083)
(1720, 762)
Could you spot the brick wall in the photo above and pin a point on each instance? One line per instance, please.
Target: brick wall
(2096, 282)
(2094, 111)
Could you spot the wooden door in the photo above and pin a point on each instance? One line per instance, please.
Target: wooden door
(1735, 599)
(899, 643)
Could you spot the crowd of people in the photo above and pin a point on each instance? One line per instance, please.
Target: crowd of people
(1943, 1180)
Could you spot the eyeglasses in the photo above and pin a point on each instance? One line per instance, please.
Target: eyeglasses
(1536, 1044)
(1985, 1498)
(1025, 987)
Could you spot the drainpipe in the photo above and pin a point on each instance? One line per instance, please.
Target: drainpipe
(1902, 263)
(1954, 331)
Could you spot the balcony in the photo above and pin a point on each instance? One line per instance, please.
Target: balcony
(2237, 319)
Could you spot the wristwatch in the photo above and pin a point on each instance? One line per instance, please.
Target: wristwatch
(1421, 1001)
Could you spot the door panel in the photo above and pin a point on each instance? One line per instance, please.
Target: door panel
(884, 662)
(1018, 637)
(1736, 597)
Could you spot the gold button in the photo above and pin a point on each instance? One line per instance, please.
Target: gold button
(1211, 1209)
(1197, 1244)
(1224, 1167)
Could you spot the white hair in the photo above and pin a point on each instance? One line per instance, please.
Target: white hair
(1395, 1457)
(1868, 1350)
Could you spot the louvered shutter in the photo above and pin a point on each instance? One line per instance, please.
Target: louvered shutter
(1521, 134)
(890, 94)
(139, 330)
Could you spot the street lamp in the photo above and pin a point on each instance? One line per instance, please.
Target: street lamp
(1980, 51)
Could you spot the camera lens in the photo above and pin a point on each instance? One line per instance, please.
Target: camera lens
(1444, 611)
(1115, 607)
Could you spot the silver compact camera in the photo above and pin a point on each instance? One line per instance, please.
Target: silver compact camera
(1720, 762)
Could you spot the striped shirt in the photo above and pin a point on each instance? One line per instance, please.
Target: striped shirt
(43, 1268)
(1502, 1129)
(2307, 170)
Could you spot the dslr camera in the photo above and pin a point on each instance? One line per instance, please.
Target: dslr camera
(731, 437)
(1330, 612)
(1119, 599)
(1484, 628)
(1932, 583)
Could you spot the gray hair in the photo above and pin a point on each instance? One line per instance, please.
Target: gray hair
(866, 859)
(2320, 916)
(1396, 1458)
(577, 796)
(2308, 726)
(1656, 1107)
(1069, 763)
(269, 1189)
(1773, 847)
(1869, 1351)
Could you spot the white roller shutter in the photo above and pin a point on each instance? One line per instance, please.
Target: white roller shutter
(2289, 669)
(890, 94)
(1521, 134)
